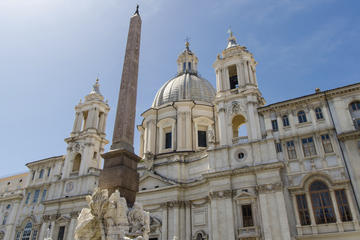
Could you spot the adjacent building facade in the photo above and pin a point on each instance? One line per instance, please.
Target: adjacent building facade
(217, 163)
(46, 201)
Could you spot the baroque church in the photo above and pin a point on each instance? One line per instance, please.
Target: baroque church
(217, 163)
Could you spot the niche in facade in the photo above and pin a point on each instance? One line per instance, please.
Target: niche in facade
(77, 163)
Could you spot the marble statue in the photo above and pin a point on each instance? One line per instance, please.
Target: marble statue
(108, 218)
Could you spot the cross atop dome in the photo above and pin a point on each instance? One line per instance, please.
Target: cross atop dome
(231, 40)
(187, 44)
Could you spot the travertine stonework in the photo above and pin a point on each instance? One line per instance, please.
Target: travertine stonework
(216, 164)
(108, 218)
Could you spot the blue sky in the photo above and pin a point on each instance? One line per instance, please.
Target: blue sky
(52, 51)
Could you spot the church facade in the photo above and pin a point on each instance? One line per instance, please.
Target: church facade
(217, 163)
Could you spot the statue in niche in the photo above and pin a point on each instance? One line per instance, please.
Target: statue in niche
(211, 134)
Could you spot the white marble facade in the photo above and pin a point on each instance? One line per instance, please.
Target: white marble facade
(46, 201)
(218, 163)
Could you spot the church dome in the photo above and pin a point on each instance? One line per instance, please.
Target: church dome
(187, 85)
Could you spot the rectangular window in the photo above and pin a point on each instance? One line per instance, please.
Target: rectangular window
(278, 147)
(18, 236)
(247, 216)
(34, 235)
(357, 123)
(275, 126)
(61, 233)
(168, 138)
(184, 66)
(308, 146)
(326, 142)
(286, 122)
(36, 196)
(189, 66)
(33, 175)
(27, 197)
(291, 149)
(202, 138)
(303, 210)
(43, 195)
(343, 205)
(49, 170)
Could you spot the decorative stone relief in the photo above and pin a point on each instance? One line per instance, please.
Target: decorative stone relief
(221, 194)
(69, 187)
(109, 218)
(149, 161)
(266, 188)
(211, 134)
(235, 107)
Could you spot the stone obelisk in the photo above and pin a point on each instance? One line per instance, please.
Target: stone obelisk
(120, 163)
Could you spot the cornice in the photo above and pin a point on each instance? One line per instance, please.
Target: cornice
(311, 97)
(65, 199)
(50, 159)
(251, 169)
(352, 135)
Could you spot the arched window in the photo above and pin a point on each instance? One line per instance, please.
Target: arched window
(27, 231)
(318, 113)
(41, 175)
(354, 109)
(285, 120)
(76, 163)
(239, 126)
(322, 203)
(302, 116)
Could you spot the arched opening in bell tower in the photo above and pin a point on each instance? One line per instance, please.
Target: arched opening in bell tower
(239, 126)
(233, 77)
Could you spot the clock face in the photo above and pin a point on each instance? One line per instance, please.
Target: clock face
(69, 187)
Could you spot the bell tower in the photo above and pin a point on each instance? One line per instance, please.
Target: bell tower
(237, 94)
(87, 139)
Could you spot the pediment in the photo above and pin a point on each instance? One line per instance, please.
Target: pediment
(152, 181)
(63, 219)
(244, 195)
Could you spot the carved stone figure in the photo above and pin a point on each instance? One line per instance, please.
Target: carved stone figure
(109, 218)
(149, 161)
(116, 213)
(139, 220)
